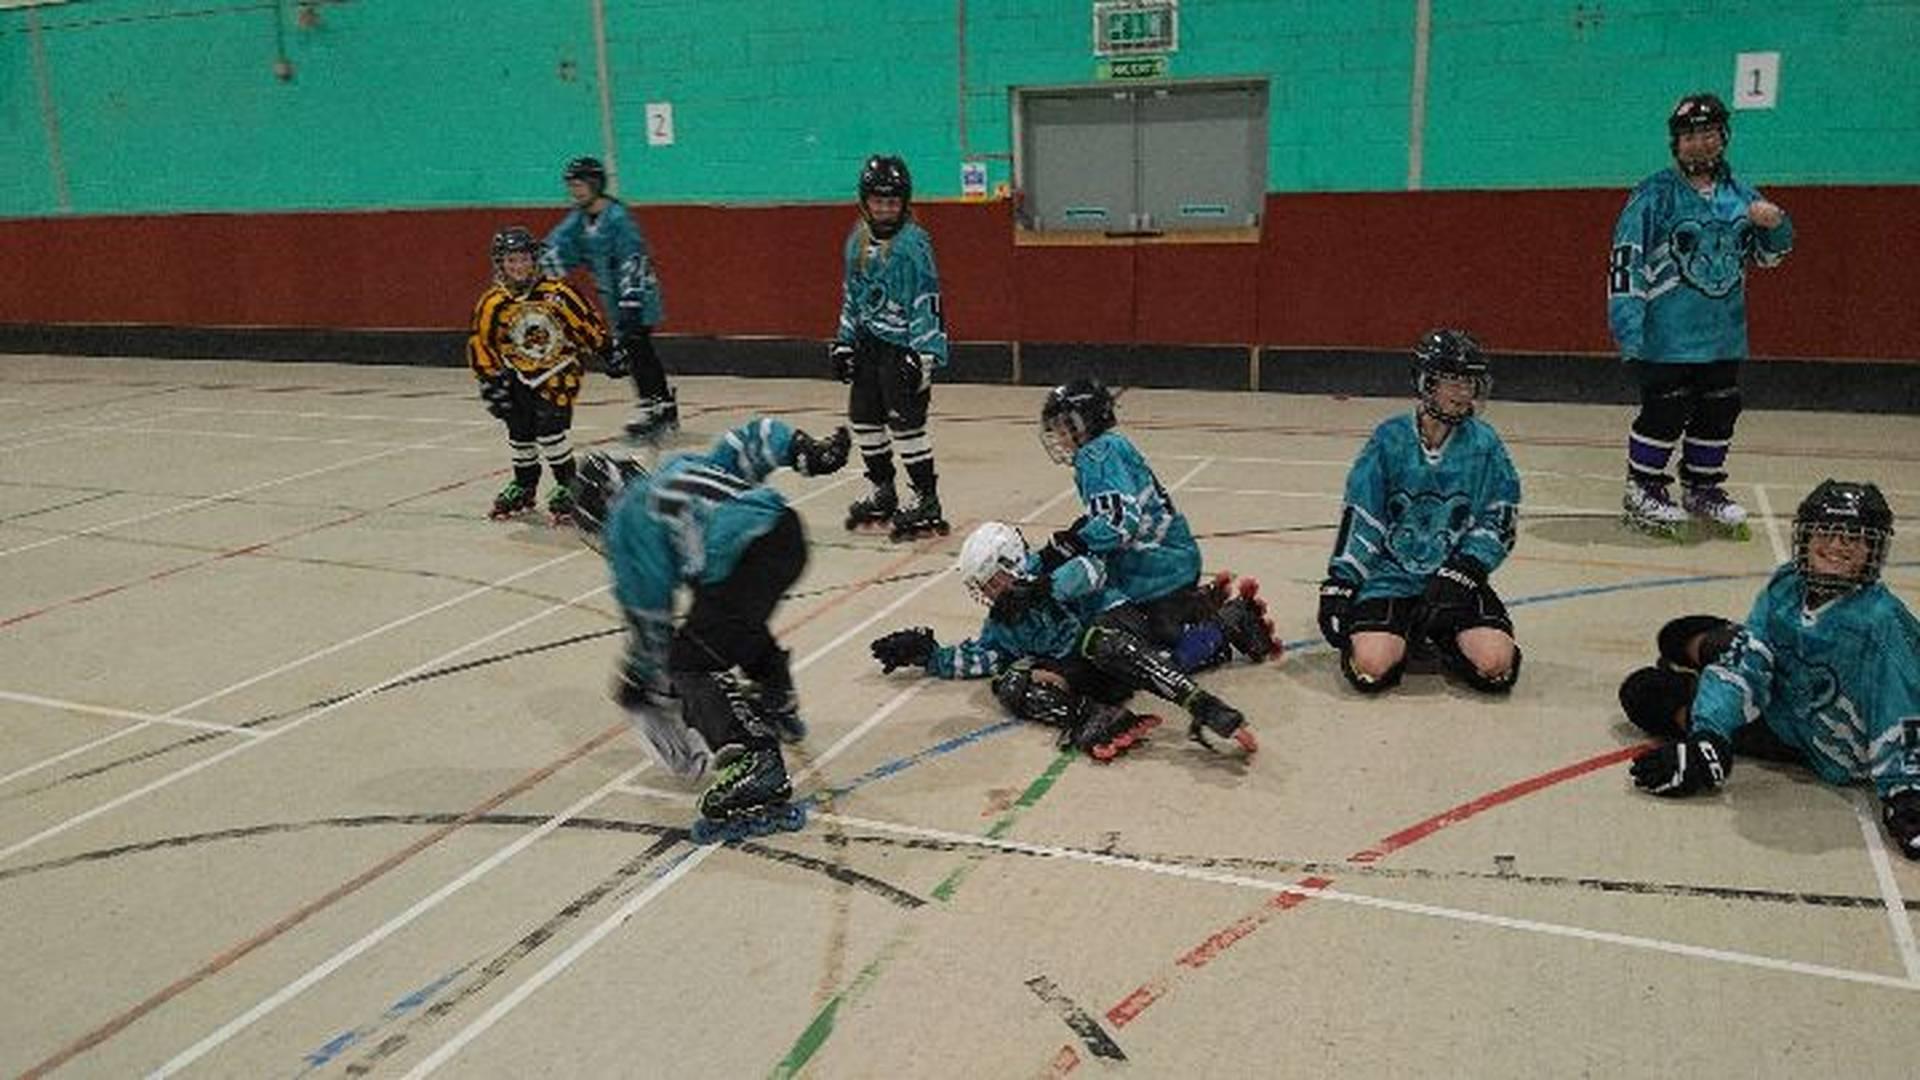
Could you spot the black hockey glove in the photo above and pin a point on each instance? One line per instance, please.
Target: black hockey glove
(613, 360)
(497, 392)
(1065, 546)
(911, 647)
(1453, 592)
(814, 457)
(840, 360)
(1022, 596)
(1901, 813)
(1336, 602)
(1696, 763)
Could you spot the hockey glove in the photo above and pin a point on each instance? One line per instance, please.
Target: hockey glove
(1019, 598)
(1064, 547)
(1336, 602)
(1696, 763)
(497, 392)
(1901, 813)
(840, 360)
(911, 647)
(920, 367)
(613, 360)
(813, 457)
(1453, 593)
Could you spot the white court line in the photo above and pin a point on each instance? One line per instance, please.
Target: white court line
(579, 948)
(309, 658)
(644, 791)
(349, 463)
(291, 725)
(1780, 552)
(1896, 904)
(75, 752)
(314, 975)
(298, 414)
(244, 436)
(387, 929)
(122, 714)
(560, 963)
(1362, 900)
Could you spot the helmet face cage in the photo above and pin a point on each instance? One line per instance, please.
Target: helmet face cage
(1839, 508)
(991, 549)
(1698, 112)
(597, 486)
(1074, 413)
(588, 171)
(1450, 355)
(511, 241)
(886, 177)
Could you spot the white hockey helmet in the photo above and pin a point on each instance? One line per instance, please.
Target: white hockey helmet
(990, 549)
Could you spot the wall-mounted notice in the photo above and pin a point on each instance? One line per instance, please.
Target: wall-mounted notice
(1756, 80)
(659, 123)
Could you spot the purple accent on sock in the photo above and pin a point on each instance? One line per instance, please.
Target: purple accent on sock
(1647, 457)
(1702, 464)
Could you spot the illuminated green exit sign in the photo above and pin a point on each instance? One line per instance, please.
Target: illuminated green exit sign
(1123, 27)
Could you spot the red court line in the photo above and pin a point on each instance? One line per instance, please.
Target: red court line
(235, 952)
(1129, 1008)
(159, 575)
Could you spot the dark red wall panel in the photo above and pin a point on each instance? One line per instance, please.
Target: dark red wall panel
(1525, 269)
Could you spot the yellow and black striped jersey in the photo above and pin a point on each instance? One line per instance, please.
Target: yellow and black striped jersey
(543, 338)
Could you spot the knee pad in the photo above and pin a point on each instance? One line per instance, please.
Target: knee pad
(1715, 635)
(1135, 663)
(1367, 684)
(1202, 647)
(1028, 698)
(1664, 411)
(1465, 670)
(1652, 697)
(1714, 413)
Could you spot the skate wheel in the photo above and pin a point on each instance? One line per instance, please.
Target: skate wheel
(1103, 752)
(1245, 737)
(793, 818)
(1249, 588)
(705, 831)
(1122, 742)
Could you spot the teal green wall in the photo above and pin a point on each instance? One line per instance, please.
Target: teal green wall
(172, 105)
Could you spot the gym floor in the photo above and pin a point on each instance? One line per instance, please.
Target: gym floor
(308, 768)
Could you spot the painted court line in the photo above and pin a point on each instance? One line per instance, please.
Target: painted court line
(123, 714)
(1780, 552)
(307, 659)
(1362, 900)
(292, 725)
(1896, 904)
(211, 499)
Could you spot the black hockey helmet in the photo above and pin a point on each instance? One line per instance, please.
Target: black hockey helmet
(1850, 509)
(887, 177)
(514, 239)
(598, 484)
(1450, 354)
(587, 170)
(1074, 413)
(1698, 112)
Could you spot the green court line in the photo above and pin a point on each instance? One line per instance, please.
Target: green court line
(817, 1032)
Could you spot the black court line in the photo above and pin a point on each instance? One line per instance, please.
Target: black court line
(1092, 1035)
(887, 891)
(1288, 866)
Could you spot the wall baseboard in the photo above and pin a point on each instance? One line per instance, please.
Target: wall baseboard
(1805, 384)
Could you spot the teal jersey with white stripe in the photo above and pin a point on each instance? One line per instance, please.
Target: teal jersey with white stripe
(1131, 525)
(614, 250)
(690, 521)
(1409, 509)
(892, 292)
(1841, 683)
(1676, 285)
(1051, 630)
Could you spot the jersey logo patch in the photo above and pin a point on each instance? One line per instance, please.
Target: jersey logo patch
(1712, 254)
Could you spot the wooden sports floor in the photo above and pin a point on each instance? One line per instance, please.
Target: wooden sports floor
(309, 769)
